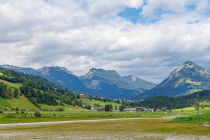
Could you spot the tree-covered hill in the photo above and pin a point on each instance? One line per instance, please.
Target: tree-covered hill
(38, 90)
(160, 102)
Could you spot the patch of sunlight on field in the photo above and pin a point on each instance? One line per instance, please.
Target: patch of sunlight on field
(101, 103)
(185, 109)
(21, 103)
(68, 108)
(190, 111)
(11, 85)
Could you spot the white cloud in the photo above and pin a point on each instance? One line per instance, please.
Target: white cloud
(133, 3)
(80, 34)
(152, 5)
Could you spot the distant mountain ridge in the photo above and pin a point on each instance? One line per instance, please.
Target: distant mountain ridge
(25, 70)
(110, 82)
(62, 76)
(185, 79)
(97, 82)
(126, 82)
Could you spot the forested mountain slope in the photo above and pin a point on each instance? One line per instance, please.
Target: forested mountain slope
(36, 89)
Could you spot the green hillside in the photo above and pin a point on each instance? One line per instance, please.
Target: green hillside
(67, 108)
(31, 93)
(11, 85)
(22, 103)
(160, 102)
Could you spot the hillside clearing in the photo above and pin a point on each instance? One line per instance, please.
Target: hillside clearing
(22, 103)
(11, 85)
(67, 108)
(100, 103)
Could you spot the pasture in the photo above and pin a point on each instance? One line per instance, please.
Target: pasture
(14, 117)
(99, 103)
(116, 130)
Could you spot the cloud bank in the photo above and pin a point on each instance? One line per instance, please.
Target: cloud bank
(82, 34)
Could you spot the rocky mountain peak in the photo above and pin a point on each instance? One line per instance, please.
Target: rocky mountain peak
(102, 73)
(190, 70)
(46, 70)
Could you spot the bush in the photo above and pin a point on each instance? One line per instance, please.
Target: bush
(37, 114)
(108, 108)
(10, 115)
(122, 107)
(87, 106)
(23, 111)
(60, 109)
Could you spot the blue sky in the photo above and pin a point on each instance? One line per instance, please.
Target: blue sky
(147, 39)
(135, 16)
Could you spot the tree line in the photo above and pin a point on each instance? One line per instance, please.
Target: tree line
(166, 102)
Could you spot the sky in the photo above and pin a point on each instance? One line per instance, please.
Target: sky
(145, 38)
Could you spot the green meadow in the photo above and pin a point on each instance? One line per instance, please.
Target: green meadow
(80, 114)
(11, 85)
(21, 102)
(99, 103)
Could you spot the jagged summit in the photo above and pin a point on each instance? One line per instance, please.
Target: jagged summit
(189, 63)
(46, 70)
(102, 73)
(190, 70)
(185, 79)
(110, 79)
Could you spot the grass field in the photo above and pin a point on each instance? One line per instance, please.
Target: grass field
(21, 102)
(202, 118)
(85, 114)
(115, 130)
(67, 108)
(100, 103)
(11, 85)
(181, 128)
(192, 115)
(61, 116)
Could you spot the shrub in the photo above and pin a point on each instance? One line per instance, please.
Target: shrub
(10, 116)
(108, 108)
(60, 109)
(7, 108)
(23, 111)
(122, 107)
(37, 114)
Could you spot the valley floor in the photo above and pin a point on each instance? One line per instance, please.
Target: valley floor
(144, 129)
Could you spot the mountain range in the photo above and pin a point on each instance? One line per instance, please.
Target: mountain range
(185, 79)
(97, 82)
